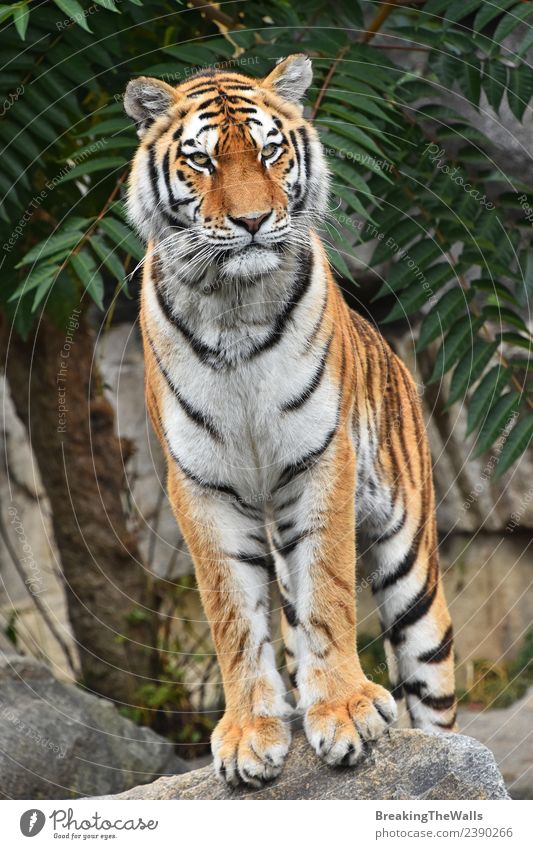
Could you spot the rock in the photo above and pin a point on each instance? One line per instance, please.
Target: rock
(401, 765)
(506, 732)
(58, 742)
(121, 364)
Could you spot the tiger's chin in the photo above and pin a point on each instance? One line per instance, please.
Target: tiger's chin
(253, 261)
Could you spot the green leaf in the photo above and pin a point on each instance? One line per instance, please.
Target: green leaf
(353, 203)
(44, 287)
(85, 267)
(5, 13)
(61, 242)
(339, 263)
(21, 17)
(109, 258)
(107, 4)
(410, 301)
(73, 9)
(348, 174)
(456, 343)
(404, 232)
(92, 166)
(494, 287)
(495, 83)
(489, 11)
(36, 277)
(122, 236)
(516, 339)
(520, 89)
(497, 419)
(410, 266)
(469, 369)
(471, 79)
(509, 22)
(516, 443)
(485, 394)
(503, 315)
(440, 318)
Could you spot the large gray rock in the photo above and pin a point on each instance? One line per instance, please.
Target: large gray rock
(58, 742)
(507, 732)
(401, 765)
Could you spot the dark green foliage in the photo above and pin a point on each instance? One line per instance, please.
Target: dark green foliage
(409, 175)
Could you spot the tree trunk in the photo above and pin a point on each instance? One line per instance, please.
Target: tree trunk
(55, 388)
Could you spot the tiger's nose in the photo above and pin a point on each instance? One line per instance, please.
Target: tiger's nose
(251, 223)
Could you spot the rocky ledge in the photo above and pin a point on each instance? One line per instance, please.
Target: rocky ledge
(401, 765)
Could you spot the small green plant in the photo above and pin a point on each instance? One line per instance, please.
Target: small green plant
(175, 705)
(497, 685)
(372, 656)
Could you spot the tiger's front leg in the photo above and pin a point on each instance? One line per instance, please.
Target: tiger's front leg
(343, 709)
(227, 541)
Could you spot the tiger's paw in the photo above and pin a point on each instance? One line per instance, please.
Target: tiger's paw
(252, 751)
(337, 729)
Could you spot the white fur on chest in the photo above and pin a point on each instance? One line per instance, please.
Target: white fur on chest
(244, 403)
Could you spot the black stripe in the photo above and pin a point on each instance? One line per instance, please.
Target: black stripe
(307, 162)
(414, 688)
(318, 325)
(313, 384)
(264, 562)
(397, 692)
(200, 88)
(208, 102)
(415, 610)
(257, 538)
(289, 502)
(442, 651)
(246, 509)
(221, 488)
(173, 202)
(447, 725)
(235, 98)
(294, 469)
(289, 546)
(290, 613)
(298, 184)
(402, 569)
(202, 351)
(209, 114)
(213, 357)
(194, 415)
(388, 535)
(285, 526)
(237, 86)
(303, 281)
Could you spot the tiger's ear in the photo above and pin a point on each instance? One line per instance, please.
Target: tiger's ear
(146, 99)
(291, 77)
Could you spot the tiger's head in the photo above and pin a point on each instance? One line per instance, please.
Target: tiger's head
(228, 171)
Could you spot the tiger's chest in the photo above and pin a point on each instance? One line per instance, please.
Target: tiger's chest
(235, 427)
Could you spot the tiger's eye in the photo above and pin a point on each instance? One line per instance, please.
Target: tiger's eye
(269, 150)
(199, 158)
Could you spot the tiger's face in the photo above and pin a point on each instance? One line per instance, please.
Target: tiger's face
(228, 171)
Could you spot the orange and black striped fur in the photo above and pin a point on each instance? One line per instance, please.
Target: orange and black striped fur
(289, 426)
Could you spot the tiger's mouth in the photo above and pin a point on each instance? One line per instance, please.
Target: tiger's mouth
(250, 260)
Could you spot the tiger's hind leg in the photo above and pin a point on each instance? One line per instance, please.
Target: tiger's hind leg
(416, 624)
(404, 574)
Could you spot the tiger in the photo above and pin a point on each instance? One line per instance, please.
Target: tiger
(290, 428)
